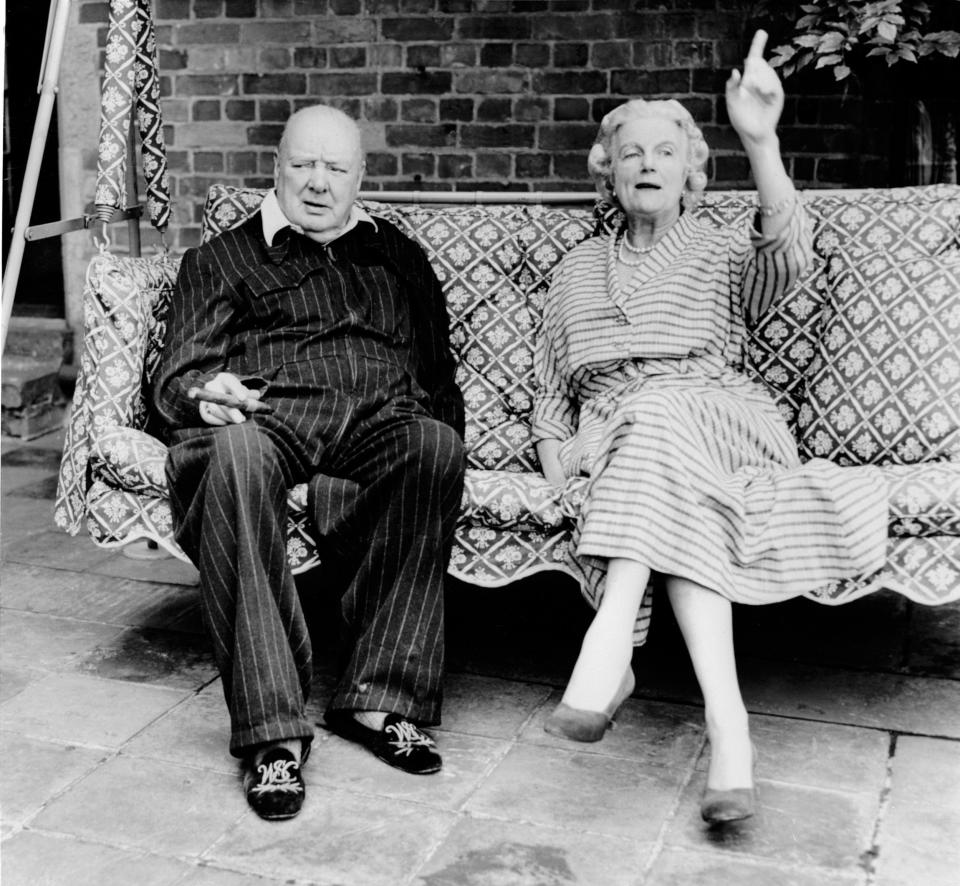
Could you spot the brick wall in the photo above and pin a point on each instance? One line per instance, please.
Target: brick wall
(461, 94)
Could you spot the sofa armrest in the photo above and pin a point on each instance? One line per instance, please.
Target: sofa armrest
(122, 302)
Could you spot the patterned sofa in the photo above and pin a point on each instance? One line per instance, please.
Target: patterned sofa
(863, 357)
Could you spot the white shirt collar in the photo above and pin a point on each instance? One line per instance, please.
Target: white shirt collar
(275, 221)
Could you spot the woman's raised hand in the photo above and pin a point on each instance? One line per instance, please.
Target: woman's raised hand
(755, 98)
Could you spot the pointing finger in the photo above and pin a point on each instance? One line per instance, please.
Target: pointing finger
(758, 44)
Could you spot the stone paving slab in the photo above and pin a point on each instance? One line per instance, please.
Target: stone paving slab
(467, 760)
(482, 851)
(156, 656)
(195, 732)
(72, 708)
(678, 867)
(793, 825)
(48, 643)
(919, 834)
(339, 838)
(488, 706)
(589, 792)
(147, 805)
(35, 859)
(93, 597)
(33, 772)
(655, 733)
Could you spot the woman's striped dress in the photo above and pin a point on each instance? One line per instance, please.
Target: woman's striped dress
(693, 469)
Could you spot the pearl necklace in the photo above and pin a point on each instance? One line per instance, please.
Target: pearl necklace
(642, 251)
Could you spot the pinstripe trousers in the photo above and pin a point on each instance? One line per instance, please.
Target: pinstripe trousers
(385, 481)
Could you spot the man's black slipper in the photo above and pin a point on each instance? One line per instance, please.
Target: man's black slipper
(400, 743)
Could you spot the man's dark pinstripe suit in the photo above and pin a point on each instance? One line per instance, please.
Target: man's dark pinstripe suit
(350, 343)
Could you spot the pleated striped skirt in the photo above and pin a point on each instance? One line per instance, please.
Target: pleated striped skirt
(698, 477)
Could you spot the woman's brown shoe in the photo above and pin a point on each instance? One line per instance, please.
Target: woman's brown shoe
(582, 725)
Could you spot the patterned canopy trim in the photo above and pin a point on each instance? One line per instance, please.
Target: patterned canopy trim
(131, 82)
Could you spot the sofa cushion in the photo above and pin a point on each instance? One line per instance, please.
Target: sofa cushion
(512, 500)
(924, 499)
(884, 387)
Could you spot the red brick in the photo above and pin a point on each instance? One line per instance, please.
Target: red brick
(494, 27)
(694, 53)
(566, 136)
(419, 110)
(265, 134)
(171, 60)
(494, 110)
(529, 109)
(570, 55)
(420, 135)
(569, 83)
(207, 8)
(380, 109)
(653, 54)
(426, 28)
(345, 7)
(496, 55)
(243, 163)
(533, 165)
(394, 83)
(177, 10)
(309, 57)
(343, 84)
(240, 8)
(274, 84)
(274, 58)
(206, 109)
(532, 55)
(185, 35)
(456, 109)
(494, 165)
(379, 163)
(455, 166)
(206, 84)
(571, 109)
(208, 161)
(285, 33)
(585, 27)
(490, 82)
(273, 110)
(418, 164)
(354, 29)
(611, 55)
(94, 13)
(509, 135)
(276, 8)
(348, 56)
(458, 54)
(423, 56)
(643, 83)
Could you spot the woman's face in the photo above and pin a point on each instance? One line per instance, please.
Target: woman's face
(649, 166)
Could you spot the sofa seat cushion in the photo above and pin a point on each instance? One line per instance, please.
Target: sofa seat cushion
(519, 500)
(924, 499)
(884, 387)
(133, 461)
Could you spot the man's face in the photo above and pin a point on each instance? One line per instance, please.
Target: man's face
(318, 170)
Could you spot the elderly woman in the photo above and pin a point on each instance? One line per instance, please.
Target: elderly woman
(694, 475)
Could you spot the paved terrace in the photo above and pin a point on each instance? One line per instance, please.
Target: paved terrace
(115, 770)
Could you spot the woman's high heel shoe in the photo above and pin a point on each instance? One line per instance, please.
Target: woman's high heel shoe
(733, 804)
(582, 725)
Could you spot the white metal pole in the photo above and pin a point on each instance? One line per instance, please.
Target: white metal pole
(59, 16)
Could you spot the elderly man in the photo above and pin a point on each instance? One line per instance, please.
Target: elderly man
(310, 345)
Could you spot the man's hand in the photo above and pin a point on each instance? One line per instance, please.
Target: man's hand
(226, 383)
(547, 452)
(755, 100)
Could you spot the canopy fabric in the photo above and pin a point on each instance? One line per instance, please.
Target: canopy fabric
(131, 82)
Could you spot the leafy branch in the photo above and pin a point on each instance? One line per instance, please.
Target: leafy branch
(831, 34)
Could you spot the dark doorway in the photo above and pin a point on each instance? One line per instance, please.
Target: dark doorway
(40, 287)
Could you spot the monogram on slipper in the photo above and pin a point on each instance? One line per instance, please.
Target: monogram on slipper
(274, 786)
(400, 743)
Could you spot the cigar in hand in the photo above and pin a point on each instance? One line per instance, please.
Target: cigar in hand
(248, 404)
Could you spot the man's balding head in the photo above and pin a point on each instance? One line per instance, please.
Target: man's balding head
(318, 170)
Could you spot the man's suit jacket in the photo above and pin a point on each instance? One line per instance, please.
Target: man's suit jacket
(238, 307)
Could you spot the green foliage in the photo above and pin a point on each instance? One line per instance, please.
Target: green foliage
(840, 35)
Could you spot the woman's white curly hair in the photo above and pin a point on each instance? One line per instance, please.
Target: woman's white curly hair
(599, 159)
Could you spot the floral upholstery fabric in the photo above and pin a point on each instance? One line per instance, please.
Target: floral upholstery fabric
(494, 263)
(884, 387)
